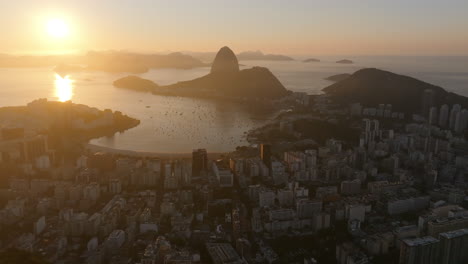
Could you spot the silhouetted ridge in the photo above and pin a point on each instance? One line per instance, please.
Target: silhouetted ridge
(373, 86)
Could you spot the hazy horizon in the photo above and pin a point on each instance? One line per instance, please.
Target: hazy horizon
(318, 28)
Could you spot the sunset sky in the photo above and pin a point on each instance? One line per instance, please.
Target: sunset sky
(328, 27)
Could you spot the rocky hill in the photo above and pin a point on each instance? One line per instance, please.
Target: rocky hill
(373, 86)
(225, 62)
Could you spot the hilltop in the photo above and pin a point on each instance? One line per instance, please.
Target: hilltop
(373, 86)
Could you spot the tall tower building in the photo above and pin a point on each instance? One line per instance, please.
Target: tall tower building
(461, 121)
(421, 250)
(199, 162)
(443, 115)
(453, 116)
(433, 116)
(265, 154)
(366, 124)
(454, 247)
(427, 102)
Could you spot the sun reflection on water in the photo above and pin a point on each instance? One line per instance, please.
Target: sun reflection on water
(63, 88)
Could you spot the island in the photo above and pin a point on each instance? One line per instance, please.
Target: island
(258, 55)
(311, 60)
(136, 83)
(345, 62)
(225, 81)
(338, 77)
(372, 87)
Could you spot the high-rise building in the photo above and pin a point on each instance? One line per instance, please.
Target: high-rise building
(453, 115)
(421, 250)
(454, 247)
(265, 154)
(427, 101)
(199, 162)
(374, 126)
(443, 115)
(433, 116)
(461, 121)
(366, 123)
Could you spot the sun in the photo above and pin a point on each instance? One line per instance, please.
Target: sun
(57, 28)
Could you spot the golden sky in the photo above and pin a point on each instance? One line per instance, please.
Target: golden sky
(301, 27)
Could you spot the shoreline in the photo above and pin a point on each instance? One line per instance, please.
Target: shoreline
(135, 153)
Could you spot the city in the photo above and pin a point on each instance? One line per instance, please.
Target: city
(232, 132)
(398, 192)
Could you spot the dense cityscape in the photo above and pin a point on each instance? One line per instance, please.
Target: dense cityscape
(233, 132)
(396, 194)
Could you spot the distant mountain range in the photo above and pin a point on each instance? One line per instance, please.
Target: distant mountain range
(258, 55)
(243, 56)
(107, 61)
(224, 81)
(373, 86)
(123, 61)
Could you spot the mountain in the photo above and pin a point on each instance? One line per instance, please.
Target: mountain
(224, 81)
(373, 86)
(225, 62)
(345, 62)
(258, 55)
(112, 61)
(311, 60)
(254, 83)
(338, 77)
(107, 61)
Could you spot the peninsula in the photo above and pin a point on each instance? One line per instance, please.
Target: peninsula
(225, 81)
(81, 121)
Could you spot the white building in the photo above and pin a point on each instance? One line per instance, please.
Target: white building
(355, 212)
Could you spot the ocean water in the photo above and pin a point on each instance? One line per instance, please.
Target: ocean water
(178, 125)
